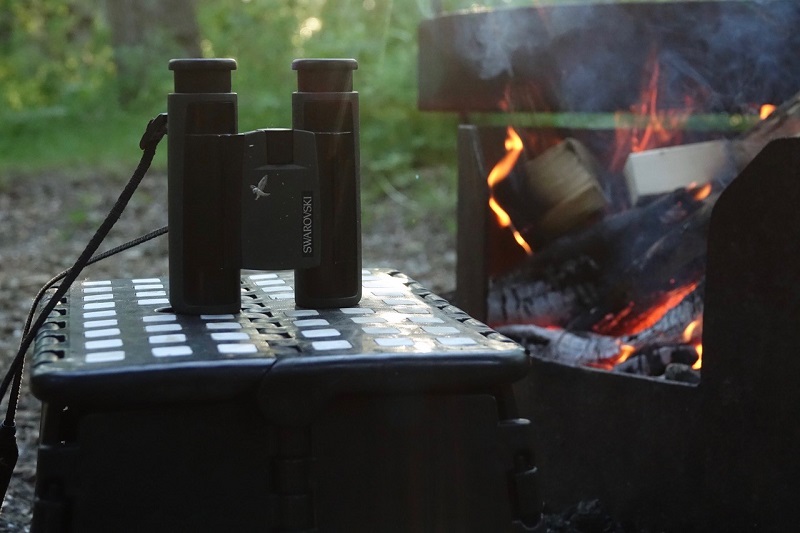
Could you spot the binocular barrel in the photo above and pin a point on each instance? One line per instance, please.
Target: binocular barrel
(326, 104)
(204, 204)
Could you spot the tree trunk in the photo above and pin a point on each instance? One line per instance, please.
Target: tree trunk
(145, 34)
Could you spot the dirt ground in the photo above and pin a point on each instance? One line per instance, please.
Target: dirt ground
(45, 221)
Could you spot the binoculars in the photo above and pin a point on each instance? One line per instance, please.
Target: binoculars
(269, 199)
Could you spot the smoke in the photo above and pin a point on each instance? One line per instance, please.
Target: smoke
(712, 56)
(494, 39)
(752, 53)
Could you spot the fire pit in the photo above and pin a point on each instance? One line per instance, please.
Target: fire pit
(655, 452)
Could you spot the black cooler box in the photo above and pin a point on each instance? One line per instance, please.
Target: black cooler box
(395, 415)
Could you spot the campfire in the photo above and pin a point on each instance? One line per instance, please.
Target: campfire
(616, 289)
(638, 236)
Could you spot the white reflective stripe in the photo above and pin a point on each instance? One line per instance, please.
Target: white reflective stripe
(331, 345)
(317, 333)
(171, 351)
(103, 344)
(105, 357)
(94, 333)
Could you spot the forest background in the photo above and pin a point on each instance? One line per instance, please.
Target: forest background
(79, 79)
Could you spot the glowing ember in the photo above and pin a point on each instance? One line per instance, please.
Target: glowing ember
(631, 321)
(514, 147)
(766, 110)
(701, 193)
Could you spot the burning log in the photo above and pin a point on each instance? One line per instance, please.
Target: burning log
(679, 256)
(628, 291)
(571, 348)
(586, 273)
(553, 194)
(655, 281)
(681, 323)
(648, 352)
(553, 300)
(619, 293)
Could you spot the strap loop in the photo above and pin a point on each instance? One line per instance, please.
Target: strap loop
(155, 131)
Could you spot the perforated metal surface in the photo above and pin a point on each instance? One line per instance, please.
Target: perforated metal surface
(117, 334)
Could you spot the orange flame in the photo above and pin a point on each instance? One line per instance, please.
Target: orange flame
(649, 106)
(625, 351)
(766, 110)
(514, 147)
(688, 335)
(701, 193)
(663, 128)
(699, 363)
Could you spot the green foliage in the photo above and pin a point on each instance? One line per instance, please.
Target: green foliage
(60, 92)
(258, 35)
(54, 54)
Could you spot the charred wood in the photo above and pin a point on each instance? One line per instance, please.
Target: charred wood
(672, 327)
(597, 260)
(572, 348)
(552, 300)
(682, 373)
(651, 350)
(644, 291)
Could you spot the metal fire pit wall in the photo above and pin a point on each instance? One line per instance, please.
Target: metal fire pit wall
(751, 338)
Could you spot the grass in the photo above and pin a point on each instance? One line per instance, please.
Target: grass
(40, 142)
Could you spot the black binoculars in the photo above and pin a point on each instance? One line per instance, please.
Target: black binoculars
(269, 199)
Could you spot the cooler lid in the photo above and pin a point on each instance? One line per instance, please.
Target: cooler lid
(117, 341)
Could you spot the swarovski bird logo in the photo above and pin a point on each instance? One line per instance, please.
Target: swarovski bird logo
(258, 190)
